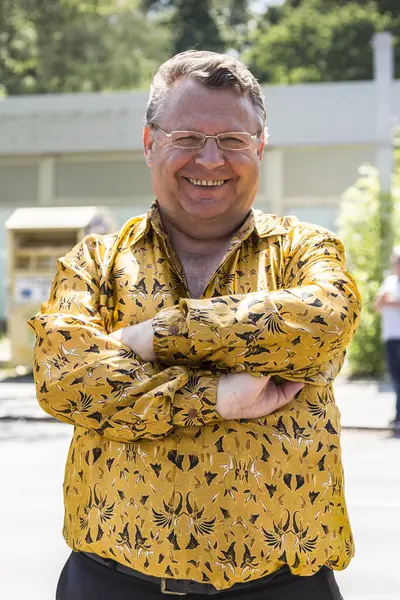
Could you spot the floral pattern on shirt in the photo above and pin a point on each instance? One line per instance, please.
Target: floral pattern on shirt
(155, 478)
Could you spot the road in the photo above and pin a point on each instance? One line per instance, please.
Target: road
(32, 551)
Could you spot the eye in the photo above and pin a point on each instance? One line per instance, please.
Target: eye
(187, 140)
(233, 142)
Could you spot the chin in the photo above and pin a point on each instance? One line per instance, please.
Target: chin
(209, 223)
(206, 208)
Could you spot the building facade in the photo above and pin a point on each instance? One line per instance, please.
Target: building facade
(86, 149)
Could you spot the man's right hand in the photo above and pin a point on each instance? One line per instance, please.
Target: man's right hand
(242, 396)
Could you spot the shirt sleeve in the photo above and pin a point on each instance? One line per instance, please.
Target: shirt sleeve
(85, 378)
(298, 332)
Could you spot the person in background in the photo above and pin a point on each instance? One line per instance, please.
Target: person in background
(388, 304)
(194, 353)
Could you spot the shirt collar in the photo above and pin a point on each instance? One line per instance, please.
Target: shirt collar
(154, 218)
(137, 227)
(262, 223)
(267, 225)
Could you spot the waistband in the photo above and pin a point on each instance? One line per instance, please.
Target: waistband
(178, 587)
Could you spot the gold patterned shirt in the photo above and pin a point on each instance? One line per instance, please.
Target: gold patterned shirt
(155, 478)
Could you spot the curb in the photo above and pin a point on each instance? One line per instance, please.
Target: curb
(373, 429)
(11, 419)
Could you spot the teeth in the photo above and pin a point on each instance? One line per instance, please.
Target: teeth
(206, 183)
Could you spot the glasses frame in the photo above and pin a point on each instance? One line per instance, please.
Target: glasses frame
(205, 137)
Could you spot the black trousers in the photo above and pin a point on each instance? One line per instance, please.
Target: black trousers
(84, 579)
(392, 348)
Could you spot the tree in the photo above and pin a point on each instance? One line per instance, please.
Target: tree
(70, 45)
(193, 23)
(194, 26)
(366, 227)
(207, 25)
(234, 20)
(316, 40)
(16, 49)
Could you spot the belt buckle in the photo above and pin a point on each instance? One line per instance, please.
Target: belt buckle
(165, 591)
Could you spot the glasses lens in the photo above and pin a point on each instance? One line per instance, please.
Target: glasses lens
(187, 139)
(234, 141)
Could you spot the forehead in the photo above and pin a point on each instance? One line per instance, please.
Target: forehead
(189, 105)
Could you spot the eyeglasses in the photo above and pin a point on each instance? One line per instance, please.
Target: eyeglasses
(191, 140)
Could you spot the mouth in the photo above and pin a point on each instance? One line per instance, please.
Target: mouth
(207, 183)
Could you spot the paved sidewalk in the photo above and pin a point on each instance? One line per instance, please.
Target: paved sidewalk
(363, 405)
(18, 400)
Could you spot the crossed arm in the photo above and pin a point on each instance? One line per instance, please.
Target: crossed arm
(298, 332)
(91, 378)
(85, 377)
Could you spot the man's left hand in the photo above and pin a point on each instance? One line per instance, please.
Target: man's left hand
(139, 338)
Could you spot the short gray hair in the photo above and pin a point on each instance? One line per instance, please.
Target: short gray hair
(211, 69)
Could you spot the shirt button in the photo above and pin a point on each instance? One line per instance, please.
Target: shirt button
(174, 329)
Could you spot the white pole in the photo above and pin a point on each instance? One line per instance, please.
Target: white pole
(383, 75)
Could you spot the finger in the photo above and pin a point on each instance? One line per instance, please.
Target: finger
(255, 384)
(286, 392)
(118, 335)
(291, 388)
(115, 334)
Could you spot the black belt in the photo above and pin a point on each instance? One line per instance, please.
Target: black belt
(177, 587)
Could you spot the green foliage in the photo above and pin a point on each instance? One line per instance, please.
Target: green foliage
(92, 45)
(366, 229)
(396, 191)
(316, 40)
(234, 20)
(215, 25)
(69, 45)
(194, 26)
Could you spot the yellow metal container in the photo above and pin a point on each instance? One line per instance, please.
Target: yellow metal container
(37, 237)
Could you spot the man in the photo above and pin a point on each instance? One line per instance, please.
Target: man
(194, 353)
(388, 304)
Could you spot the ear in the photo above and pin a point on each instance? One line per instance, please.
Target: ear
(261, 146)
(148, 143)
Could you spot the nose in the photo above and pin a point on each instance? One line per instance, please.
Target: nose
(210, 156)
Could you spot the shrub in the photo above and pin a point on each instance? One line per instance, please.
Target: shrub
(366, 228)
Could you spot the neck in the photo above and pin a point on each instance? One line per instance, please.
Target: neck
(183, 243)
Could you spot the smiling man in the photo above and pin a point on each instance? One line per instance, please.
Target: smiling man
(194, 354)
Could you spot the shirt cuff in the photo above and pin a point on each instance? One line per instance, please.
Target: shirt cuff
(194, 405)
(171, 336)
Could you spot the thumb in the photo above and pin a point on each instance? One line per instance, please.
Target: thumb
(291, 388)
(116, 335)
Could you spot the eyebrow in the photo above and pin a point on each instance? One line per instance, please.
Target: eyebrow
(196, 130)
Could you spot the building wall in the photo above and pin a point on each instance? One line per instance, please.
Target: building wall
(85, 149)
(315, 178)
(298, 115)
(305, 181)
(323, 171)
